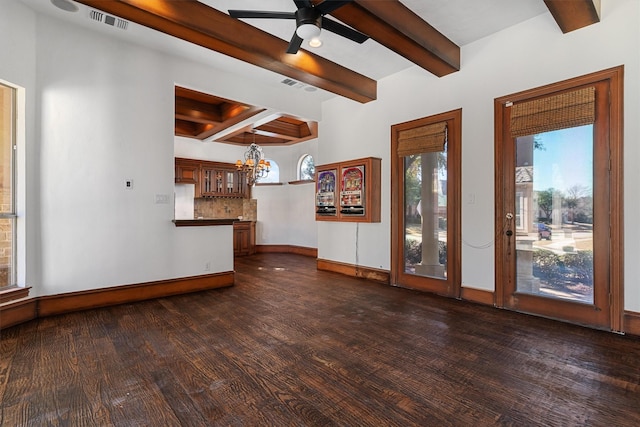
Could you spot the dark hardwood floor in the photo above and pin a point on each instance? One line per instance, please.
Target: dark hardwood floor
(292, 346)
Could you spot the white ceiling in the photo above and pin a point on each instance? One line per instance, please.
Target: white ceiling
(462, 21)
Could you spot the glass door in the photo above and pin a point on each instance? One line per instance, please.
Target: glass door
(426, 204)
(558, 222)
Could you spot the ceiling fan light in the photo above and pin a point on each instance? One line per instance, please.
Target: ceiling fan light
(315, 42)
(65, 5)
(308, 31)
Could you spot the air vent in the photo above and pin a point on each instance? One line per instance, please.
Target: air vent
(297, 85)
(113, 21)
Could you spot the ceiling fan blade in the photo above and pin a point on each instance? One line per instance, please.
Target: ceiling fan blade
(328, 6)
(343, 30)
(261, 14)
(294, 44)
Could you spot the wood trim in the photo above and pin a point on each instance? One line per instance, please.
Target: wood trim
(631, 323)
(302, 181)
(395, 26)
(616, 193)
(203, 222)
(195, 22)
(480, 296)
(575, 14)
(94, 298)
(13, 293)
(287, 249)
(14, 313)
(364, 272)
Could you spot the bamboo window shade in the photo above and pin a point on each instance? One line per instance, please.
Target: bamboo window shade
(424, 139)
(561, 111)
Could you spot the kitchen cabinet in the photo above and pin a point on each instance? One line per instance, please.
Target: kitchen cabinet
(349, 191)
(187, 171)
(220, 181)
(212, 179)
(244, 238)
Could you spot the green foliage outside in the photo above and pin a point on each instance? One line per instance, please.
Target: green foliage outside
(575, 266)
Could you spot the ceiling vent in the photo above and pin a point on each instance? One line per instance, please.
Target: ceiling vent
(113, 21)
(297, 85)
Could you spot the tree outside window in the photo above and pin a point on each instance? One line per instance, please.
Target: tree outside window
(307, 168)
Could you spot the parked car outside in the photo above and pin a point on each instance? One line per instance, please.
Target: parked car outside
(544, 232)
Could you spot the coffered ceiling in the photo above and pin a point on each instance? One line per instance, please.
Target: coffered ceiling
(199, 115)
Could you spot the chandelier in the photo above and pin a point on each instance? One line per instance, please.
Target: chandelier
(254, 165)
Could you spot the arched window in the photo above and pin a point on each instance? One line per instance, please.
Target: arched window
(306, 168)
(273, 175)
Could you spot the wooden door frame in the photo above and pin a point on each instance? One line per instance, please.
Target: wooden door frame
(451, 286)
(615, 78)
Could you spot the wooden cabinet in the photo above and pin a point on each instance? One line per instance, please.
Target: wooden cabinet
(349, 191)
(220, 181)
(212, 179)
(244, 238)
(187, 171)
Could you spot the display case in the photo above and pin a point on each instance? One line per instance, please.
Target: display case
(212, 179)
(349, 191)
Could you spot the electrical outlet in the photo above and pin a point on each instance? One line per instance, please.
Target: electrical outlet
(207, 266)
(128, 184)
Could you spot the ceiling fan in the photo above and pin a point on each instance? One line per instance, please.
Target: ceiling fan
(310, 20)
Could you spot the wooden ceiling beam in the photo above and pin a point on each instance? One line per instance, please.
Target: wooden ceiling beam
(187, 128)
(196, 111)
(574, 14)
(231, 121)
(393, 25)
(200, 24)
(286, 130)
(271, 132)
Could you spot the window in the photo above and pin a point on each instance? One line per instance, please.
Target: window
(274, 174)
(7, 186)
(306, 168)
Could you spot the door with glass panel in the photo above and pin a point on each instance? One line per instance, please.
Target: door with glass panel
(554, 203)
(425, 200)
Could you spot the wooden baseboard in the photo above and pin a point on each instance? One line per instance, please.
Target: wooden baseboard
(480, 296)
(17, 312)
(354, 270)
(631, 323)
(288, 249)
(22, 311)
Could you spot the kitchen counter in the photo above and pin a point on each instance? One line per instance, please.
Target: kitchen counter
(203, 222)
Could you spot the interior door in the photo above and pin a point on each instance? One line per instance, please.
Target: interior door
(426, 204)
(554, 204)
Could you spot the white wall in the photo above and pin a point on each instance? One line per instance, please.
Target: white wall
(286, 213)
(528, 55)
(105, 115)
(18, 68)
